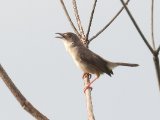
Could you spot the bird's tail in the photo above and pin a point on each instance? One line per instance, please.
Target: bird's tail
(126, 64)
(116, 64)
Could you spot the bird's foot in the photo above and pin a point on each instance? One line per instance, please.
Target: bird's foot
(85, 75)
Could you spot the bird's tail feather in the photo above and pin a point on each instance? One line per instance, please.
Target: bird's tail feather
(126, 64)
(116, 64)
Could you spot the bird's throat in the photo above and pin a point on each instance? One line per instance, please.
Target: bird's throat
(72, 50)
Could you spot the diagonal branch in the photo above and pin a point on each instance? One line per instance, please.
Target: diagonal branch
(69, 18)
(152, 24)
(106, 26)
(20, 98)
(91, 18)
(138, 29)
(78, 18)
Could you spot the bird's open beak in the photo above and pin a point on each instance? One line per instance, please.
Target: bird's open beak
(61, 35)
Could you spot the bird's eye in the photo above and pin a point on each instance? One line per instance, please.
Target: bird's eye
(65, 34)
(69, 35)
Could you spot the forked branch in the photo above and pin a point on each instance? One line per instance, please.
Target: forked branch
(155, 57)
(153, 50)
(20, 98)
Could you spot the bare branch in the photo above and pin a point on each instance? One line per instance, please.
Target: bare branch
(138, 29)
(152, 24)
(88, 100)
(157, 67)
(91, 18)
(106, 26)
(20, 98)
(78, 18)
(69, 18)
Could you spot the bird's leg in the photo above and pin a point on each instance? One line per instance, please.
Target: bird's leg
(89, 76)
(89, 85)
(85, 75)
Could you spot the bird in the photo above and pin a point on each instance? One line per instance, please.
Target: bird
(88, 61)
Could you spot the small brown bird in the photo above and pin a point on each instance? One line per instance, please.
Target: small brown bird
(88, 61)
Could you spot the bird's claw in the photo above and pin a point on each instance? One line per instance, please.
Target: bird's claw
(86, 74)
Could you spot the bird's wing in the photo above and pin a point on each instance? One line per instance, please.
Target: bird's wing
(95, 60)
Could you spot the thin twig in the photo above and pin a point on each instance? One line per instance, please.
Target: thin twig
(138, 29)
(91, 18)
(106, 26)
(78, 18)
(88, 100)
(152, 24)
(20, 98)
(69, 18)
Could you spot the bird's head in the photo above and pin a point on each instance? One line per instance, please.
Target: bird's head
(69, 37)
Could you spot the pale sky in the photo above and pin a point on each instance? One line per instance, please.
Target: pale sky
(43, 71)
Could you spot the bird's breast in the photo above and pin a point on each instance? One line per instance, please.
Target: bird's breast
(74, 53)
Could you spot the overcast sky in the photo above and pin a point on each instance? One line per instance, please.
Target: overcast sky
(43, 71)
